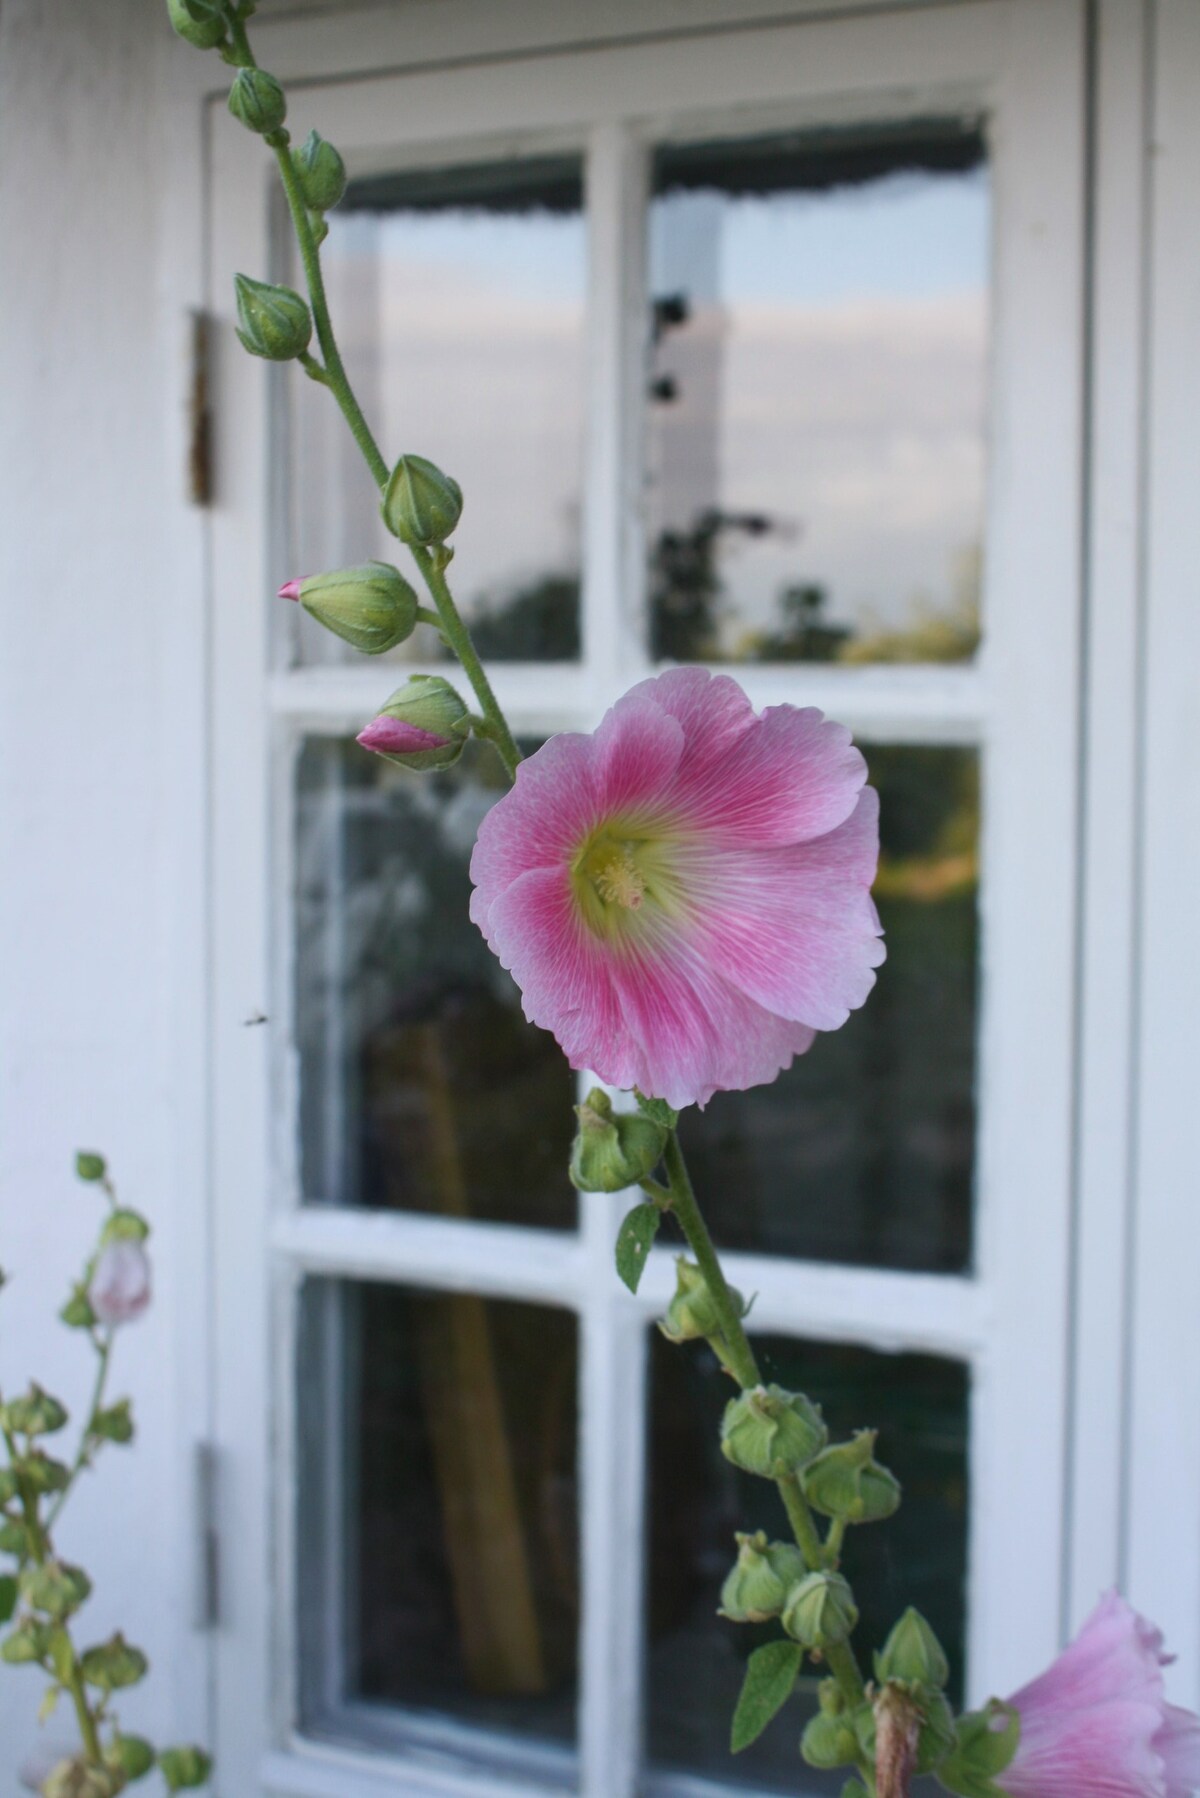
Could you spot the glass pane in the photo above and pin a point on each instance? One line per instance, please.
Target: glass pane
(697, 1500)
(817, 398)
(438, 1553)
(864, 1150)
(458, 297)
(422, 1086)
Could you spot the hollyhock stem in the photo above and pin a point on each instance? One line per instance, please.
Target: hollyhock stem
(459, 638)
(744, 1368)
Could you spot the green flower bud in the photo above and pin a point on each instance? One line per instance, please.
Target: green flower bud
(847, 1482)
(26, 1643)
(756, 1587)
(423, 725)
(613, 1150)
(36, 1414)
(90, 1166)
(692, 1313)
(55, 1588)
(182, 1767)
(829, 1741)
(421, 505)
(820, 1610)
(114, 1664)
(131, 1756)
(114, 1423)
(320, 172)
(43, 1474)
(257, 101)
(769, 1431)
(13, 1538)
(371, 606)
(200, 22)
(912, 1653)
(273, 322)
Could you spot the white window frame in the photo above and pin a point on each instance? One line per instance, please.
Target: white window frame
(1023, 65)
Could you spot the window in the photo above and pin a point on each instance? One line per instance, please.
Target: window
(752, 376)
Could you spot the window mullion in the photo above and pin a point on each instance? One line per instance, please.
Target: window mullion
(616, 189)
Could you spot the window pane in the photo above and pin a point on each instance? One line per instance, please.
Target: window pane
(422, 1086)
(864, 1150)
(458, 297)
(438, 1558)
(817, 399)
(696, 1659)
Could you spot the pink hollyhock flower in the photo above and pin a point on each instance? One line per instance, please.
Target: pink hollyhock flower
(119, 1290)
(684, 896)
(1096, 1724)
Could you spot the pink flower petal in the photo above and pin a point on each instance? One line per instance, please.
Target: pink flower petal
(393, 736)
(290, 590)
(793, 777)
(539, 824)
(637, 750)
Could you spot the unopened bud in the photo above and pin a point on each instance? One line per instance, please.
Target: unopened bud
(613, 1150)
(34, 1414)
(371, 606)
(320, 172)
(829, 1741)
(273, 322)
(131, 1756)
(54, 1588)
(119, 1289)
(89, 1165)
(114, 1664)
(42, 1473)
(769, 1431)
(184, 1767)
(847, 1482)
(199, 22)
(693, 1313)
(257, 101)
(422, 505)
(820, 1610)
(760, 1579)
(912, 1653)
(420, 726)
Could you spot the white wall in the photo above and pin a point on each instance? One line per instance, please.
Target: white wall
(97, 796)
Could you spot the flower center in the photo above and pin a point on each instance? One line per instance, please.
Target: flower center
(615, 875)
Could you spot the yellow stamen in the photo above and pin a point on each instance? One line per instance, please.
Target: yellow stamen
(617, 878)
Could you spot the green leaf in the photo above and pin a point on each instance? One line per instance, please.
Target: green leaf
(77, 1313)
(89, 1165)
(49, 1702)
(13, 1537)
(658, 1109)
(8, 1597)
(634, 1240)
(771, 1675)
(182, 1767)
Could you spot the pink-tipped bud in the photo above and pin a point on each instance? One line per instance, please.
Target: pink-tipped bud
(423, 725)
(119, 1289)
(290, 590)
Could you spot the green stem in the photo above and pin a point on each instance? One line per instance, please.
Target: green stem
(744, 1367)
(459, 638)
(334, 372)
(103, 1353)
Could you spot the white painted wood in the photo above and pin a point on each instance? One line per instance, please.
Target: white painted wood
(1112, 649)
(1163, 1566)
(1026, 66)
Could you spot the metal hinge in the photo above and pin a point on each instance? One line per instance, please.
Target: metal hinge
(199, 453)
(207, 1601)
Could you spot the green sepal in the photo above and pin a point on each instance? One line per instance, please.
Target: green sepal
(8, 1485)
(320, 172)
(257, 101)
(27, 1643)
(132, 1756)
(114, 1423)
(771, 1675)
(8, 1596)
(183, 1767)
(89, 1165)
(113, 1664)
(981, 1751)
(14, 1539)
(421, 505)
(43, 1474)
(912, 1653)
(35, 1413)
(846, 1481)
(829, 1741)
(198, 22)
(657, 1109)
(635, 1239)
(612, 1150)
(124, 1226)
